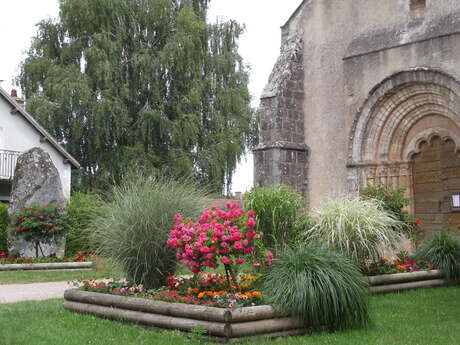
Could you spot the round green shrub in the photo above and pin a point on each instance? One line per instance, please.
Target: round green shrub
(318, 286)
(3, 227)
(358, 228)
(81, 209)
(133, 227)
(444, 252)
(276, 209)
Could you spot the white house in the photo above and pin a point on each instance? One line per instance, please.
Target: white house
(19, 132)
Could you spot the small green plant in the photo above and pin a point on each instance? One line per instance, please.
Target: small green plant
(304, 223)
(197, 333)
(38, 224)
(277, 209)
(357, 228)
(133, 226)
(81, 210)
(3, 227)
(443, 251)
(319, 286)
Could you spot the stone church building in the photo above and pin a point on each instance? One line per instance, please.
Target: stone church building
(367, 91)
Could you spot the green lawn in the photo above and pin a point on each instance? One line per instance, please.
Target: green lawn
(422, 317)
(103, 269)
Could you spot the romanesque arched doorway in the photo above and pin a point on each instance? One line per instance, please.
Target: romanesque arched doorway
(402, 115)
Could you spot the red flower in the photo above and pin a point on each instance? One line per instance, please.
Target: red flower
(386, 197)
(417, 221)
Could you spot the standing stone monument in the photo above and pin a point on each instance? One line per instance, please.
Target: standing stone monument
(36, 181)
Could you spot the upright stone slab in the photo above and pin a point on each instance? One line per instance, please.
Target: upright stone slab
(36, 181)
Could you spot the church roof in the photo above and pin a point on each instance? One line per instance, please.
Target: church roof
(18, 109)
(295, 12)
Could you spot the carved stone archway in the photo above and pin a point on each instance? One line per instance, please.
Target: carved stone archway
(402, 111)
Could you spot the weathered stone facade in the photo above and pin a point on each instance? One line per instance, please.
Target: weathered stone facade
(282, 156)
(380, 79)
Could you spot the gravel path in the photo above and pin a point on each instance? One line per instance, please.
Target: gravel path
(12, 293)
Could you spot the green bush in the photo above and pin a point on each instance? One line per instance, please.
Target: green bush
(443, 251)
(81, 210)
(38, 224)
(394, 201)
(357, 228)
(318, 286)
(276, 209)
(133, 227)
(3, 227)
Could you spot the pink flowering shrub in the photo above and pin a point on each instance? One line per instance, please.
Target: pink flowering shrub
(218, 236)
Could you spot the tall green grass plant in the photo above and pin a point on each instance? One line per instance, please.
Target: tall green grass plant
(277, 209)
(133, 227)
(319, 286)
(443, 250)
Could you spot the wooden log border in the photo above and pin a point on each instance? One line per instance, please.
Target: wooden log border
(403, 277)
(47, 266)
(224, 324)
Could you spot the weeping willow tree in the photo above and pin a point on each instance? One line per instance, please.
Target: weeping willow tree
(141, 82)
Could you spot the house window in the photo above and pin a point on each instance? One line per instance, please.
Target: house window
(417, 4)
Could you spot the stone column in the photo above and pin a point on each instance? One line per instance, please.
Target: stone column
(282, 155)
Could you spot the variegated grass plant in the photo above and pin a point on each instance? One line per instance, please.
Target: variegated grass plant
(358, 228)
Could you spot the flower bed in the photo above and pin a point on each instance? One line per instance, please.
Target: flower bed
(79, 261)
(402, 263)
(201, 289)
(221, 324)
(226, 316)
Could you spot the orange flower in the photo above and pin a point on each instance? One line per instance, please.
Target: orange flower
(256, 293)
(400, 268)
(210, 293)
(192, 291)
(201, 295)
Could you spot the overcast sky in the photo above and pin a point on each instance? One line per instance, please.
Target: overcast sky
(259, 46)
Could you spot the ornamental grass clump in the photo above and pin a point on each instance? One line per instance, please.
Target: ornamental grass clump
(318, 286)
(358, 228)
(443, 251)
(132, 228)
